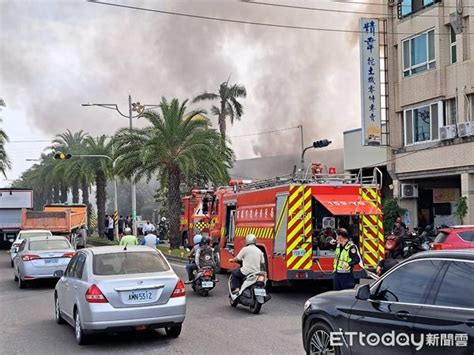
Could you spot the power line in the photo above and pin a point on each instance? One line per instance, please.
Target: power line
(267, 132)
(255, 23)
(30, 141)
(382, 4)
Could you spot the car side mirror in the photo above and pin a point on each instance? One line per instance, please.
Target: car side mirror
(14, 250)
(363, 293)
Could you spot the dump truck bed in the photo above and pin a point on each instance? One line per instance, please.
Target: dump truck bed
(57, 219)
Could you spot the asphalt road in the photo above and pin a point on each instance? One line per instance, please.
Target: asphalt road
(211, 325)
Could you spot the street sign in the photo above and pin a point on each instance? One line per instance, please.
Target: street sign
(370, 82)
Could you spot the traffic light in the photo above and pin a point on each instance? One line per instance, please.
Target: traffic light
(62, 156)
(321, 143)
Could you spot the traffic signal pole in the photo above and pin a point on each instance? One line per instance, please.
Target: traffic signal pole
(134, 186)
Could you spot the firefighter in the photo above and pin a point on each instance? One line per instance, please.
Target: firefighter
(346, 258)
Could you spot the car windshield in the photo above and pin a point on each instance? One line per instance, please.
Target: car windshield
(49, 245)
(129, 263)
(441, 237)
(34, 234)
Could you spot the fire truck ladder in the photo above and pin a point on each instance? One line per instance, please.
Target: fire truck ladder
(371, 243)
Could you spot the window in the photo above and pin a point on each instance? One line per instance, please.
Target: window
(469, 107)
(410, 283)
(79, 267)
(467, 236)
(452, 44)
(418, 53)
(457, 287)
(422, 124)
(451, 112)
(407, 7)
(129, 263)
(71, 266)
(49, 245)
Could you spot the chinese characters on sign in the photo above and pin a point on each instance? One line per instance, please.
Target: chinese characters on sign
(370, 82)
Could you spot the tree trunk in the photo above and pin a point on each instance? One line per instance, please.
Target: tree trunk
(75, 192)
(64, 189)
(56, 190)
(221, 121)
(174, 200)
(101, 196)
(85, 192)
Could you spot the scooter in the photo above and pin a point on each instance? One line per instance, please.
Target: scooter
(252, 294)
(204, 281)
(416, 244)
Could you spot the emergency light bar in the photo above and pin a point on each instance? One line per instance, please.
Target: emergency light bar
(235, 182)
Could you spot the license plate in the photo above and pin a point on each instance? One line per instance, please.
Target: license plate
(260, 292)
(298, 252)
(206, 284)
(51, 261)
(142, 296)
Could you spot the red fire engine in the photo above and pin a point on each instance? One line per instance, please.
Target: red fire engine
(287, 215)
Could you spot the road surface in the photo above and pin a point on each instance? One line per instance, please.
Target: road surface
(211, 325)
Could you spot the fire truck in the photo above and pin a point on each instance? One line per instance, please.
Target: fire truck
(288, 214)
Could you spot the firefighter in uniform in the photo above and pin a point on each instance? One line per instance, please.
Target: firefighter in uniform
(346, 258)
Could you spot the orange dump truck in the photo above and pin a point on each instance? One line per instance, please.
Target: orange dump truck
(59, 219)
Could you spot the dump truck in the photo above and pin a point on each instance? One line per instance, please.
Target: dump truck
(61, 219)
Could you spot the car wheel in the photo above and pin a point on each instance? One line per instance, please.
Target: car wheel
(81, 338)
(11, 263)
(173, 332)
(318, 341)
(21, 283)
(15, 277)
(57, 311)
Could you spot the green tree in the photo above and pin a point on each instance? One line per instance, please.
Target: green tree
(461, 208)
(229, 106)
(72, 170)
(177, 145)
(101, 169)
(391, 210)
(5, 162)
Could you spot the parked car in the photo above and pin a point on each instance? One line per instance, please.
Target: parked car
(456, 237)
(26, 234)
(111, 289)
(429, 293)
(41, 258)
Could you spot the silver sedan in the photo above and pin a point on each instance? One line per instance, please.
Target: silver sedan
(41, 258)
(112, 289)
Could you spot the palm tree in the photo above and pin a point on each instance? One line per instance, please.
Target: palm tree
(177, 145)
(228, 107)
(5, 162)
(101, 169)
(72, 143)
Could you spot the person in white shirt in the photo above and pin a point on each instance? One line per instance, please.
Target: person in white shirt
(252, 260)
(150, 240)
(148, 228)
(110, 231)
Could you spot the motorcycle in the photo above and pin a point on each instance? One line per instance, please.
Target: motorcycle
(252, 294)
(416, 244)
(204, 281)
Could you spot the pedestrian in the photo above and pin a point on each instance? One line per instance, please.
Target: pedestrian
(106, 226)
(128, 238)
(345, 259)
(121, 226)
(110, 229)
(148, 228)
(150, 240)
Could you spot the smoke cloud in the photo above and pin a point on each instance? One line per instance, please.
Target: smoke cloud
(55, 55)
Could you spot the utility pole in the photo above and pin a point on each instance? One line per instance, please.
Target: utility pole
(134, 186)
(302, 149)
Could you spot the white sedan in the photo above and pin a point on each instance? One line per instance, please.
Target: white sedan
(26, 234)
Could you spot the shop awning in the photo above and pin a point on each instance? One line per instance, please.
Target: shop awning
(345, 205)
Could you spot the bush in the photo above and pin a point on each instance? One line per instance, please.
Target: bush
(391, 210)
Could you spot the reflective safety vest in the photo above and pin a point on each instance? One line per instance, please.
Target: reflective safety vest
(342, 258)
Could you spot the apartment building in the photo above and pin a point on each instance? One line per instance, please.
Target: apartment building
(431, 107)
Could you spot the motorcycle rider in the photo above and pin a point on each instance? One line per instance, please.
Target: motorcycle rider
(252, 260)
(204, 255)
(400, 233)
(346, 258)
(192, 264)
(386, 264)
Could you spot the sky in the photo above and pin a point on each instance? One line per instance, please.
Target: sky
(55, 55)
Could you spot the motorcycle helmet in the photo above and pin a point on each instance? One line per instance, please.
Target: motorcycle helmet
(429, 228)
(163, 219)
(197, 239)
(250, 239)
(204, 240)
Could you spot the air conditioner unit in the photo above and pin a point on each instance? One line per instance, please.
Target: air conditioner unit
(409, 191)
(329, 222)
(466, 129)
(447, 132)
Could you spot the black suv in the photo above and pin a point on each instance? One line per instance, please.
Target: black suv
(424, 305)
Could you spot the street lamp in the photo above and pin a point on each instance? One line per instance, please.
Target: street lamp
(132, 107)
(62, 156)
(316, 144)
